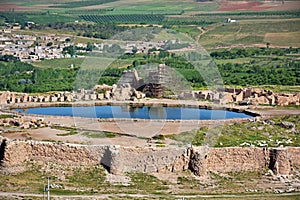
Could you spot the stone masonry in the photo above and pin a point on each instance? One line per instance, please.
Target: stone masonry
(117, 159)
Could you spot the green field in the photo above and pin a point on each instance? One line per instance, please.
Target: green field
(59, 63)
(279, 28)
(91, 181)
(129, 18)
(231, 135)
(250, 32)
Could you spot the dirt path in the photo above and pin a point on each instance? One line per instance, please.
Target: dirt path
(275, 112)
(17, 195)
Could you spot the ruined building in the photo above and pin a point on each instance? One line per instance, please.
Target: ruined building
(157, 82)
(154, 85)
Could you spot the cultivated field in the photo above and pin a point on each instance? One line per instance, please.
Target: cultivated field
(279, 33)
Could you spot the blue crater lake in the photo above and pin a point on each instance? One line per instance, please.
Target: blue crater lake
(172, 113)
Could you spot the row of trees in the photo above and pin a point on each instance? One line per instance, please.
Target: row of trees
(128, 18)
(253, 74)
(249, 52)
(23, 77)
(103, 31)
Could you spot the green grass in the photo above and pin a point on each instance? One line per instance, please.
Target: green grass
(146, 183)
(99, 134)
(194, 137)
(192, 31)
(162, 6)
(60, 63)
(250, 32)
(37, 17)
(234, 61)
(236, 181)
(28, 181)
(254, 133)
(92, 176)
(4, 116)
(78, 180)
(78, 4)
(90, 180)
(188, 182)
(72, 132)
(44, 19)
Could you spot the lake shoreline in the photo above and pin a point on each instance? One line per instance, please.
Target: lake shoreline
(138, 104)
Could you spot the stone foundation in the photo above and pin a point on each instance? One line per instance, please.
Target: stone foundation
(117, 159)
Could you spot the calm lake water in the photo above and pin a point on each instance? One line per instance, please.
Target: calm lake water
(134, 112)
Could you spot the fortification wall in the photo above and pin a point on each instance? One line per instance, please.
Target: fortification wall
(130, 159)
(234, 159)
(14, 154)
(117, 159)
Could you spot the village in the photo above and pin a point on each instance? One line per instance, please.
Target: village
(37, 47)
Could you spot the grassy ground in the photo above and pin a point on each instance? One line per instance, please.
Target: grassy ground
(99, 134)
(252, 32)
(76, 180)
(161, 6)
(252, 133)
(283, 39)
(59, 63)
(91, 180)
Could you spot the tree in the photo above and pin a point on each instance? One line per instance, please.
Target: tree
(89, 46)
(49, 44)
(70, 50)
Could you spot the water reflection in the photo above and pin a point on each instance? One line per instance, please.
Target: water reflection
(155, 112)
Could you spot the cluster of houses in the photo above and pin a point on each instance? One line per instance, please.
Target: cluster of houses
(141, 47)
(30, 48)
(146, 47)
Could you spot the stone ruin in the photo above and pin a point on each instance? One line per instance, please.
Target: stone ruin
(22, 123)
(154, 86)
(118, 159)
(246, 96)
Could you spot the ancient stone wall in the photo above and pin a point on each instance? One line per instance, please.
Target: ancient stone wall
(116, 159)
(279, 160)
(128, 159)
(246, 96)
(294, 154)
(232, 159)
(15, 153)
